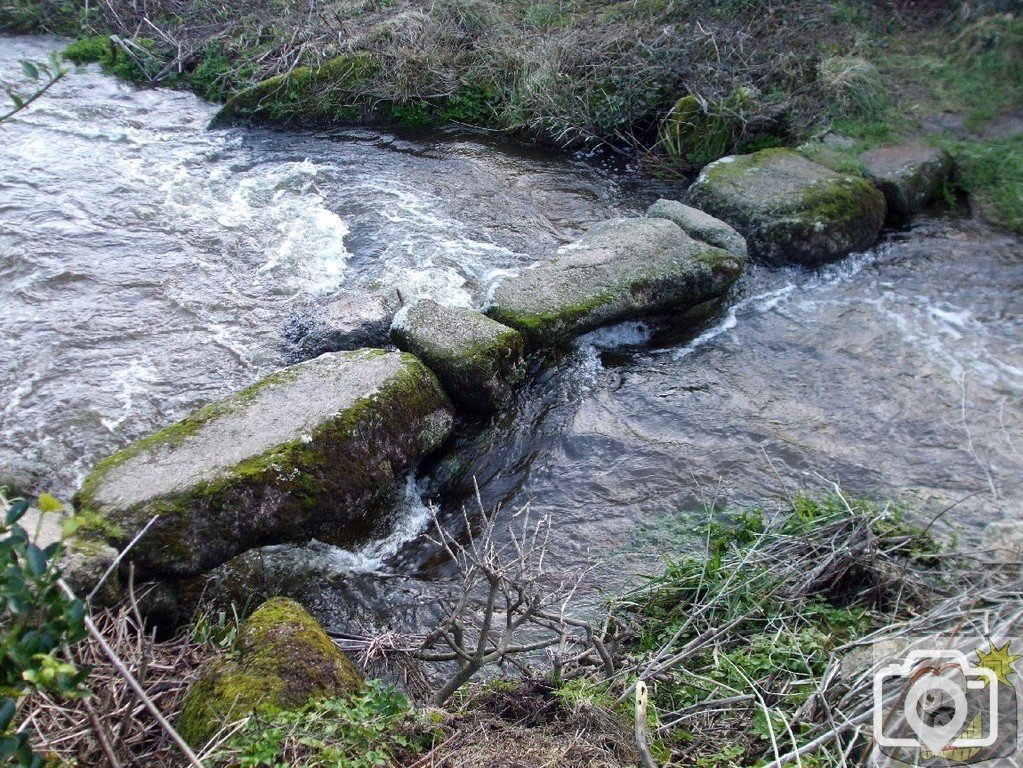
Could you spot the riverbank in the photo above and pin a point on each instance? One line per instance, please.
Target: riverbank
(672, 85)
(757, 647)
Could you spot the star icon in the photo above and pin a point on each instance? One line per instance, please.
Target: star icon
(998, 660)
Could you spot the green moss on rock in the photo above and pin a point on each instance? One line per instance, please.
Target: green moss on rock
(281, 660)
(306, 452)
(789, 208)
(324, 95)
(477, 359)
(619, 270)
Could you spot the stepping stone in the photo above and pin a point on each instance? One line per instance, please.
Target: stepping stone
(790, 209)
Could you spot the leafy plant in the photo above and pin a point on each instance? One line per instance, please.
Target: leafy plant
(38, 620)
(371, 729)
(42, 75)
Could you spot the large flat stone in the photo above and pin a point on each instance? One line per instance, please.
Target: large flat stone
(307, 452)
(619, 270)
(477, 359)
(790, 209)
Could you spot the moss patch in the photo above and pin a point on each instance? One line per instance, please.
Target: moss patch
(317, 484)
(329, 94)
(281, 660)
(789, 208)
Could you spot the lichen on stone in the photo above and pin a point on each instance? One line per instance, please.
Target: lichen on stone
(791, 209)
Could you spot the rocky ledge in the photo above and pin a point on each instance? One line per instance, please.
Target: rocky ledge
(790, 209)
(310, 451)
(619, 270)
(911, 176)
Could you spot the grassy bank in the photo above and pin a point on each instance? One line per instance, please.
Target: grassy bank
(752, 649)
(675, 84)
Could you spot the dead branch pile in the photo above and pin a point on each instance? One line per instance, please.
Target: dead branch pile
(109, 725)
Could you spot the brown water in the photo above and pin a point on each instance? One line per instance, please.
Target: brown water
(146, 265)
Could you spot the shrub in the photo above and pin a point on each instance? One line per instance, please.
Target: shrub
(90, 50)
(38, 621)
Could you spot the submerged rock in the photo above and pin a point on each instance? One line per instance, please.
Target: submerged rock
(700, 225)
(476, 359)
(789, 208)
(620, 269)
(350, 322)
(309, 451)
(911, 176)
(281, 659)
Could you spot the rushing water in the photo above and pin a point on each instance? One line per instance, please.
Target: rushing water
(146, 265)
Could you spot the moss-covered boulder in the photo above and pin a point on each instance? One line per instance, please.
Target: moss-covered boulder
(314, 450)
(911, 176)
(700, 225)
(281, 659)
(331, 93)
(620, 269)
(477, 359)
(790, 209)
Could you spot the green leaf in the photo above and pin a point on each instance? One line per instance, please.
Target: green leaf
(76, 612)
(7, 709)
(36, 560)
(30, 69)
(8, 746)
(18, 509)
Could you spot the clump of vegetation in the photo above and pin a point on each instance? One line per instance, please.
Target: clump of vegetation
(854, 87)
(991, 171)
(116, 59)
(376, 727)
(39, 622)
(750, 630)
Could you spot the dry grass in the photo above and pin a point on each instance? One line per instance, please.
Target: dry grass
(527, 726)
(565, 73)
(109, 723)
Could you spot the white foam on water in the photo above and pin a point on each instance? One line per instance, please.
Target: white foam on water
(628, 334)
(950, 335)
(435, 256)
(276, 207)
(372, 557)
(761, 303)
(135, 379)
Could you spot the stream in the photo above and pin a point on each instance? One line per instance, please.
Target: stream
(147, 265)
